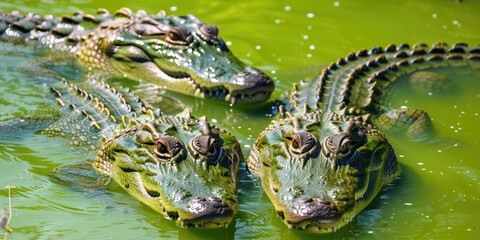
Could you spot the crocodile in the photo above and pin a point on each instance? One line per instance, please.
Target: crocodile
(327, 159)
(179, 53)
(178, 165)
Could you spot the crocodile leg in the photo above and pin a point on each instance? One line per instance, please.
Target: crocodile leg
(82, 178)
(416, 122)
(19, 126)
(55, 66)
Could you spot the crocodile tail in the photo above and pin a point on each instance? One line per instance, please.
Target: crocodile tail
(47, 30)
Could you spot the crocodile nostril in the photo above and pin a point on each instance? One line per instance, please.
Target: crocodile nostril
(255, 78)
(198, 199)
(208, 207)
(323, 201)
(305, 200)
(215, 199)
(308, 208)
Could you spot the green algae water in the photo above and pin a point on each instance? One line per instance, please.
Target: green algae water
(437, 195)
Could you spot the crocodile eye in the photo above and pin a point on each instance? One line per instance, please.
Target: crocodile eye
(167, 147)
(205, 145)
(338, 147)
(345, 150)
(162, 150)
(302, 142)
(179, 36)
(209, 32)
(343, 145)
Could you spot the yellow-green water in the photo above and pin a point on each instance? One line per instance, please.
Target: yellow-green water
(437, 195)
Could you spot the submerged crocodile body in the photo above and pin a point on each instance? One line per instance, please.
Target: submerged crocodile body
(180, 53)
(180, 166)
(356, 84)
(325, 161)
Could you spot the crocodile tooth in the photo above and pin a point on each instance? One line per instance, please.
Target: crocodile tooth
(227, 98)
(232, 100)
(198, 91)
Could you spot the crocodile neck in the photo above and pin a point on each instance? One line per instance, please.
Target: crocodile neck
(357, 82)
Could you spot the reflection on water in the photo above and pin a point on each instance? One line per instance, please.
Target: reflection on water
(437, 194)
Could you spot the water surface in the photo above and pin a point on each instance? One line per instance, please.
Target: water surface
(437, 195)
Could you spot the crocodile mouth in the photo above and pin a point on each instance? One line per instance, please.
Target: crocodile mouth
(260, 90)
(198, 212)
(312, 214)
(249, 86)
(208, 212)
(201, 212)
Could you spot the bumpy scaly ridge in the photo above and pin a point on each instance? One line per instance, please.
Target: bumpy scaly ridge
(67, 29)
(81, 34)
(356, 82)
(84, 113)
(121, 102)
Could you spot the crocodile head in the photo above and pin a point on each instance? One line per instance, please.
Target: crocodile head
(320, 170)
(187, 56)
(179, 166)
